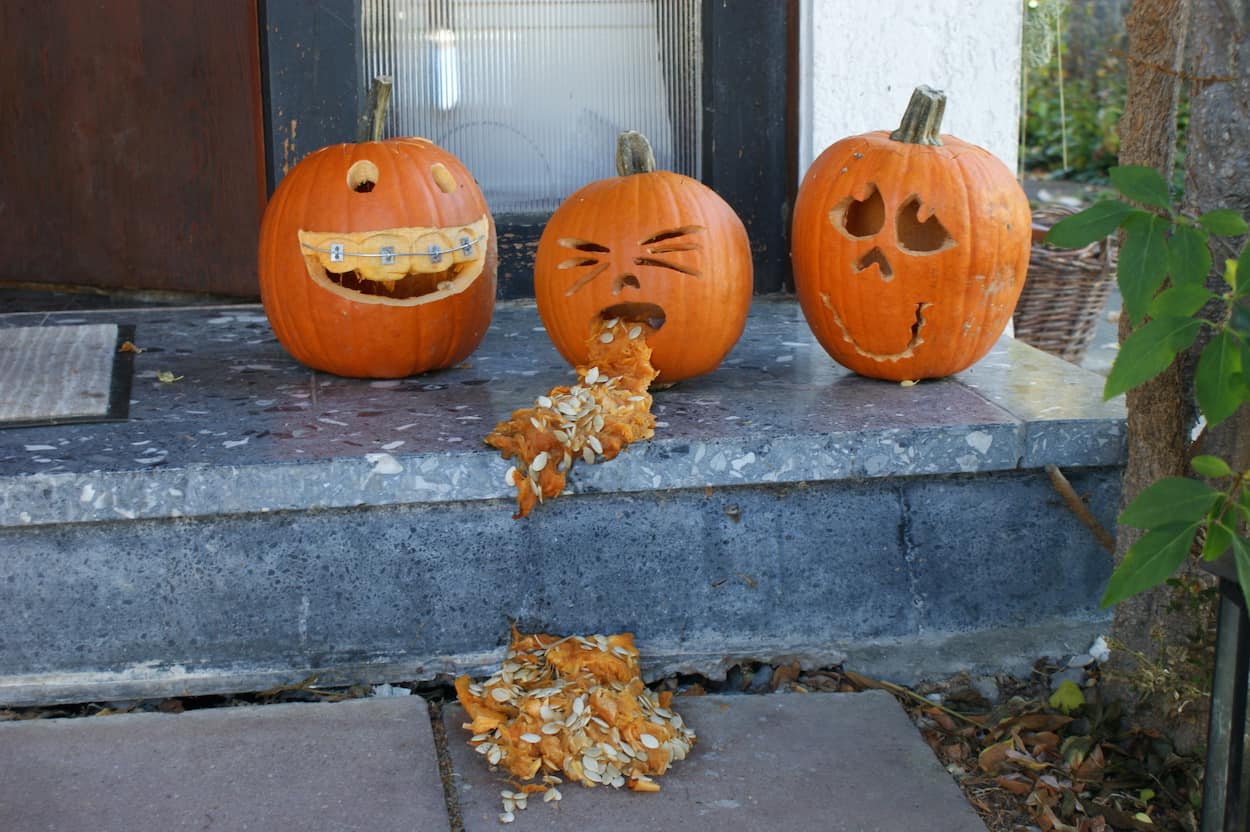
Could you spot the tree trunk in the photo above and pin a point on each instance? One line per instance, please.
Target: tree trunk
(1217, 163)
(1150, 636)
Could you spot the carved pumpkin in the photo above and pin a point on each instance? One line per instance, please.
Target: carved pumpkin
(909, 248)
(377, 259)
(647, 246)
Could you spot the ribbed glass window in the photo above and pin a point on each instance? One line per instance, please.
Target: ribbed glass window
(530, 94)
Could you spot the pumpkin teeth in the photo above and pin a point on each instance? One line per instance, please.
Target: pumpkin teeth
(403, 265)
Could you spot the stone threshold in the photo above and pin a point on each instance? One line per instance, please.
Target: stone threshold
(245, 429)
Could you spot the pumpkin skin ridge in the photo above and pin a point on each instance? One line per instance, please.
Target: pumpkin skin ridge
(824, 188)
(375, 340)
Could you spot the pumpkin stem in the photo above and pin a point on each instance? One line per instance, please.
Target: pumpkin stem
(922, 122)
(633, 154)
(370, 125)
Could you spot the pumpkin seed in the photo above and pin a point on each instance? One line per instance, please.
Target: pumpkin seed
(544, 401)
(531, 738)
(648, 740)
(612, 323)
(635, 331)
(588, 454)
(593, 441)
(510, 477)
(592, 375)
(507, 817)
(540, 462)
(606, 338)
(500, 694)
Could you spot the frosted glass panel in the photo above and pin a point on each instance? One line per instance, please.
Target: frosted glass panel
(530, 94)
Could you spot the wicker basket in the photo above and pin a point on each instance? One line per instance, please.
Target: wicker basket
(1065, 291)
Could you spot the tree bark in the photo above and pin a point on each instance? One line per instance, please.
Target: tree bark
(1217, 164)
(1160, 412)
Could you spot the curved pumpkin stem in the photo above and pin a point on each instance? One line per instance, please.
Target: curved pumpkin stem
(633, 154)
(371, 124)
(922, 122)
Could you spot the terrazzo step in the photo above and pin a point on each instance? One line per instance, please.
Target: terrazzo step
(798, 761)
(254, 522)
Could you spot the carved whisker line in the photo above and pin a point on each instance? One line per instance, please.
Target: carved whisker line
(586, 278)
(574, 262)
(664, 264)
(582, 245)
(661, 236)
(674, 247)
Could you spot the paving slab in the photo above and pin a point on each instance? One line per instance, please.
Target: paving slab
(829, 761)
(360, 764)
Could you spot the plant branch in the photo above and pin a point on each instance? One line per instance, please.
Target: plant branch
(1077, 506)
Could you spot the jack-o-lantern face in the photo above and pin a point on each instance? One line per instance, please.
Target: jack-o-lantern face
(909, 257)
(649, 246)
(378, 259)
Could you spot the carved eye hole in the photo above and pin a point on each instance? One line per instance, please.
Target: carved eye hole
(859, 218)
(442, 178)
(917, 236)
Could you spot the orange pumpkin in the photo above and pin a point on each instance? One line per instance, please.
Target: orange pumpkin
(377, 259)
(649, 246)
(909, 248)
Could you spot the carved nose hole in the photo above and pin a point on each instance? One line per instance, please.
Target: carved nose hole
(624, 280)
(860, 218)
(917, 236)
(883, 265)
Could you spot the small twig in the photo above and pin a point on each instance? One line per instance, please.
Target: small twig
(898, 690)
(373, 120)
(1077, 506)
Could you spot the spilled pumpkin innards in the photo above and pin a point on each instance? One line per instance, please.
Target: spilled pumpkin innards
(572, 708)
(592, 420)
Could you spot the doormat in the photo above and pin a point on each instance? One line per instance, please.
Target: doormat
(55, 375)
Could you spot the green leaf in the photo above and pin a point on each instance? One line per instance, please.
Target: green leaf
(1143, 262)
(1241, 275)
(1211, 467)
(1219, 538)
(1241, 559)
(1090, 225)
(1224, 221)
(1189, 258)
(1180, 301)
(1169, 501)
(1143, 184)
(1219, 393)
(1150, 561)
(1148, 351)
(1067, 697)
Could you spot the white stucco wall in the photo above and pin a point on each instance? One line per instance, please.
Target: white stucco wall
(861, 59)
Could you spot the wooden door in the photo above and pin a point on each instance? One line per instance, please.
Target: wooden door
(131, 144)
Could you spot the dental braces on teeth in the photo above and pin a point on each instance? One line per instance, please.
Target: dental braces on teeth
(387, 254)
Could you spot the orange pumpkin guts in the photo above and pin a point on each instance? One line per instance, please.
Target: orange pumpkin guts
(909, 248)
(377, 259)
(592, 420)
(646, 246)
(573, 708)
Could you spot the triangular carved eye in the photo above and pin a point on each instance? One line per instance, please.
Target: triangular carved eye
(917, 236)
(859, 218)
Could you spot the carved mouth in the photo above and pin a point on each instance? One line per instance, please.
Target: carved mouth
(397, 266)
(907, 352)
(642, 313)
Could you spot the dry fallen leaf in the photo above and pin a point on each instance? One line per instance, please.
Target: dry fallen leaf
(166, 377)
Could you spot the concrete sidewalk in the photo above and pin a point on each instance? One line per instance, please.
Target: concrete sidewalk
(783, 761)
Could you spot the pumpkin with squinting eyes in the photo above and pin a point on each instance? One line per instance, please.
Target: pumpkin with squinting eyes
(909, 248)
(650, 247)
(377, 259)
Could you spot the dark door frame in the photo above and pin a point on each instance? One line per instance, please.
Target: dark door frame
(312, 96)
